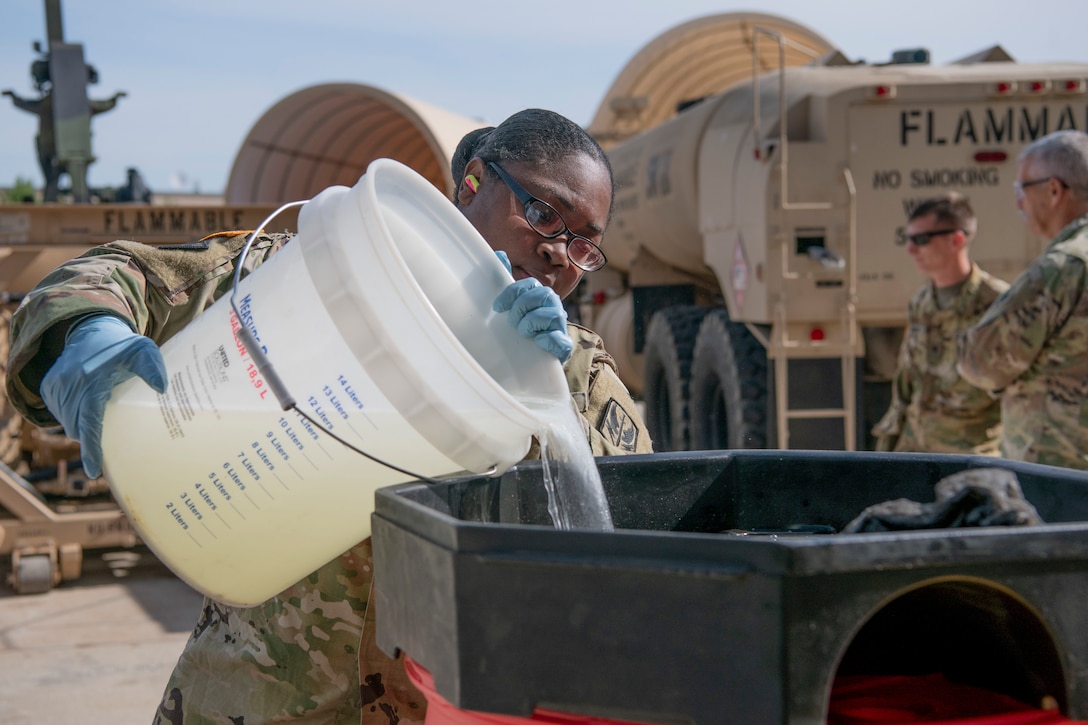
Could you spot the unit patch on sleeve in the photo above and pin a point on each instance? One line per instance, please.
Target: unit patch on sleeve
(618, 427)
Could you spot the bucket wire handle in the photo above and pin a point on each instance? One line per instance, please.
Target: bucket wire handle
(265, 367)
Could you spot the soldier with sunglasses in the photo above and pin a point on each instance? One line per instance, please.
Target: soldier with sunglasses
(1032, 344)
(933, 409)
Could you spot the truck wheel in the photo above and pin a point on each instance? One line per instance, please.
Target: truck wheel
(728, 386)
(670, 339)
(33, 574)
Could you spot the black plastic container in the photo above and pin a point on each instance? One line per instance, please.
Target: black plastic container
(678, 617)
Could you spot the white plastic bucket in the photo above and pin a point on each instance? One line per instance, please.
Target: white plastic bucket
(377, 318)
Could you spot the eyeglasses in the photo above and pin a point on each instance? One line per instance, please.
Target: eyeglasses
(920, 239)
(1019, 186)
(547, 222)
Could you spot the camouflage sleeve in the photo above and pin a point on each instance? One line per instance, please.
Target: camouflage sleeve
(613, 422)
(99, 282)
(616, 426)
(887, 430)
(156, 290)
(1010, 336)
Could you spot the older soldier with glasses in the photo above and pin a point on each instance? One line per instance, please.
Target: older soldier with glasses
(933, 410)
(1032, 344)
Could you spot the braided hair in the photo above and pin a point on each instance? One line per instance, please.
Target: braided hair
(534, 136)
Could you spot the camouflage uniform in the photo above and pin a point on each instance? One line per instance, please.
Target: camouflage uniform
(933, 409)
(1033, 345)
(308, 654)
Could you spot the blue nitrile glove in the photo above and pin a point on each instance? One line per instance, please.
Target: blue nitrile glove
(99, 352)
(537, 312)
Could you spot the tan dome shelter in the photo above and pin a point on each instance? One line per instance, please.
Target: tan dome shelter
(696, 59)
(328, 134)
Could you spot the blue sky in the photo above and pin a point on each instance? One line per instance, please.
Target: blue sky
(199, 73)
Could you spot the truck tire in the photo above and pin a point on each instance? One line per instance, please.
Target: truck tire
(728, 386)
(670, 340)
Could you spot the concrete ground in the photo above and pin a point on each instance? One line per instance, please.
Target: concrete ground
(97, 650)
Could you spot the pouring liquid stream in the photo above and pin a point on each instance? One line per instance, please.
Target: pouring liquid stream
(576, 498)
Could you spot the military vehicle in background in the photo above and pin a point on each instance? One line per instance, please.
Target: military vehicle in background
(754, 295)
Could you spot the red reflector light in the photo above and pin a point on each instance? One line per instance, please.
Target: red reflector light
(816, 334)
(1004, 87)
(1037, 86)
(1072, 86)
(600, 297)
(990, 157)
(884, 92)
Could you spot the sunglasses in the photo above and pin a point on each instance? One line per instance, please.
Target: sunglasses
(1019, 186)
(920, 239)
(547, 222)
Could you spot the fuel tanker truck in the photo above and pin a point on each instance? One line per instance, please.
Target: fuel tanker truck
(756, 297)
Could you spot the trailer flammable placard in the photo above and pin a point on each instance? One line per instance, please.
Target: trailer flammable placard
(91, 224)
(904, 152)
(35, 238)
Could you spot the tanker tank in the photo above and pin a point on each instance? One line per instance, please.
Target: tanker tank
(755, 296)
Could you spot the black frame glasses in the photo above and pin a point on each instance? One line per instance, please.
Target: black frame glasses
(1019, 186)
(920, 239)
(583, 253)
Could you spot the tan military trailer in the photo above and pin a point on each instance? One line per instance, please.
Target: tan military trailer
(756, 296)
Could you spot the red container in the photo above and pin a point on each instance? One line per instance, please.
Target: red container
(876, 699)
(441, 711)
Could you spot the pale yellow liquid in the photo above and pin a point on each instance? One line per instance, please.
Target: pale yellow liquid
(256, 501)
(269, 497)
